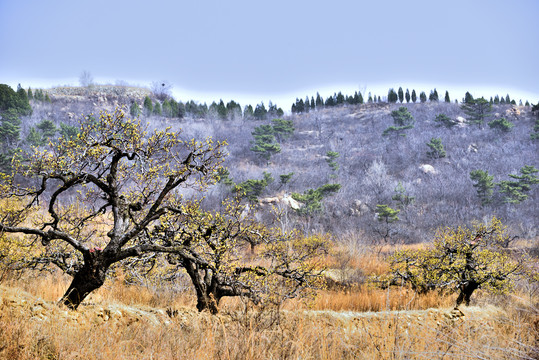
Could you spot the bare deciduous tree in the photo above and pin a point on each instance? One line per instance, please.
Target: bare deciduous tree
(86, 79)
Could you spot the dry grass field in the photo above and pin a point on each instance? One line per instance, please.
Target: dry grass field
(358, 322)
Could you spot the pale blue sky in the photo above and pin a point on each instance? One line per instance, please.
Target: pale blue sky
(256, 50)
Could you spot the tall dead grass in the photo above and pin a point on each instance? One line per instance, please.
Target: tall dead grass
(355, 321)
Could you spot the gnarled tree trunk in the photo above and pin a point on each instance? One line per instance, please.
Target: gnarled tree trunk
(206, 287)
(89, 278)
(466, 291)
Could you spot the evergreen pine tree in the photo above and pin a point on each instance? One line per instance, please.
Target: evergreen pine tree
(414, 96)
(10, 128)
(468, 98)
(445, 120)
(260, 112)
(173, 108)
(134, 109)
(181, 110)
(423, 97)
(48, 129)
(407, 95)
(484, 185)
(516, 191)
(447, 99)
(401, 95)
(157, 109)
(282, 129)
(339, 99)
(477, 110)
(248, 112)
(167, 110)
(331, 156)
(148, 106)
(34, 138)
(436, 149)
(402, 198)
(403, 120)
(319, 101)
(392, 96)
(264, 143)
(501, 124)
(433, 95)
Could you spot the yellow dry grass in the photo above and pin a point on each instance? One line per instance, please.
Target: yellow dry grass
(32, 328)
(122, 321)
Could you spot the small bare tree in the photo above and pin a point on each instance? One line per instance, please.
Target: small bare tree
(86, 79)
(162, 90)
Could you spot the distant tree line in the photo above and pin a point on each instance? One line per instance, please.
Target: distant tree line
(400, 96)
(170, 108)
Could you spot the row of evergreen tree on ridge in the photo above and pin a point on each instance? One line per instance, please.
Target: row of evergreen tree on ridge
(393, 96)
(174, 109)
(171, 108)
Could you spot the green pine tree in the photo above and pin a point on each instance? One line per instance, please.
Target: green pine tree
(501, 125)
(264, 143)
(68, 132)
(134, 109)
(48, 130)
(285, 178)
(444, 120)
(436, 149)
(10, 128)
(403, 120)
(484, 185)
(282, 129)
(331, 156)
(312, 198)
(34, 137)
(477, 110)
(147, 106)
(402, 198)
(157, 109)
(516, 190)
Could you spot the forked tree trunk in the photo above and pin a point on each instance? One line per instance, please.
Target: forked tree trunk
(207, 291)
(89, 278)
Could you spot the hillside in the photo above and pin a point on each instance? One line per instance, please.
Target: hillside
(366, 274)
(370, 166)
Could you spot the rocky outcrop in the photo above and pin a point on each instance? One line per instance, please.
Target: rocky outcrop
(428, 169)
(286, 200)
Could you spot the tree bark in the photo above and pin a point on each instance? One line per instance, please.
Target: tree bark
(466, 292)
(206, 287)
(89, 278)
